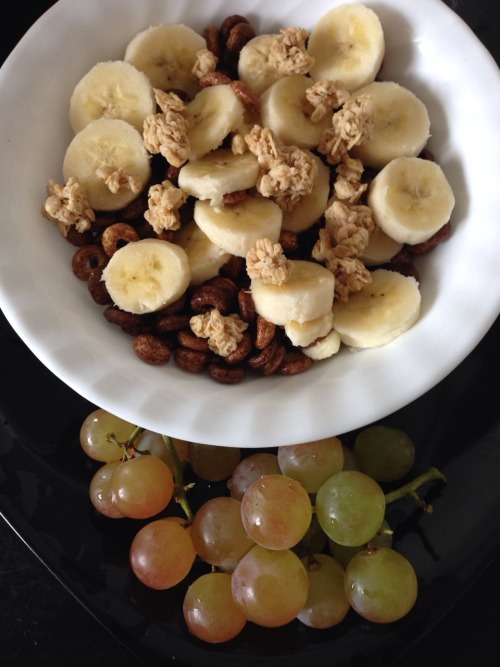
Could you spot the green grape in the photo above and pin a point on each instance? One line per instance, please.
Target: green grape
(94, 432)
(383, 538)
(100, 491)
(270, 586)
(213, 463)
(162, 554)
(327, 604)
(210, 612)
(312, 463)
(350, 507)
(381, 585)
(249, 469)
(218, 533)
(142, 487)
(385, 453)
(276, 511)
(152, 443)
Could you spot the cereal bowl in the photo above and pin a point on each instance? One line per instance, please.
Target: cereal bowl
(429, 50)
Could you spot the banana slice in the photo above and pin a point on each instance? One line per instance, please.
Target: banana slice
(205, 258)
(109, 159)
(253, 63)
(380, 249)
(313, 205)
(237, 228)
(306, 295)
(401, 124)
(411, 199)
(286, 111)
(348, 46)
(218, 173)
(112, 89)
(166, 53)
(302, 334)
(212, 115)
(144, 276)
(380, 312)
(324, 347)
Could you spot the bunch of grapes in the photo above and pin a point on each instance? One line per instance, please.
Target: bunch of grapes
(300, 531)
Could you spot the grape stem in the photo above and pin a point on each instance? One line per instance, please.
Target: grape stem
(410, 489)
(180, 488)
(129, 445)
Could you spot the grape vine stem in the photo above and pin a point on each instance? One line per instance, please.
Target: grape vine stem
(410, 489)
(180, 488)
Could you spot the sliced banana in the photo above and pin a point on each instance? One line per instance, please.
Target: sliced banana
(286, 111)
(253, 63)
(401, 124)
(205, 258)
(166, 53)
(146, 275)
(411, 199)
(380, 312)
(348, 46)
(324, 347)
(109, 159)
(217, 174)
(306, 295)
(313, 205)
(236, 228)
(302, 334)
(381, 248)
(112, 89)
(214, 113)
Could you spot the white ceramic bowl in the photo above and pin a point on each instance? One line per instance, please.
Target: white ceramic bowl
(429, 49)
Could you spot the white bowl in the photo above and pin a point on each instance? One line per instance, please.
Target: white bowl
(429, 49)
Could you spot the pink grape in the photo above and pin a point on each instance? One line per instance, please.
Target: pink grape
(327, 604)
(218, 533)
(142, 487)
(270, 586)
(100, 491)
(249, 469)
(162, 554)
(209, 609)
(276, 511)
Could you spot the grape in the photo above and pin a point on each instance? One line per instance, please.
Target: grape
(381, 584)
(94, 432)
(210, 612)
(249, 469)
(100, 491)
(311, 463)
(327, 603)
(276, 511)
(314, 541)
(350, 507)
(213, 463)
(350, 462)
(270, 586)
(383, 538)
(385, 453)
(162, 554)
(152, 443)
(142, 487)
(218, 533)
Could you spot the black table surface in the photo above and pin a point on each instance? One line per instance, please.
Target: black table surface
(42, 624)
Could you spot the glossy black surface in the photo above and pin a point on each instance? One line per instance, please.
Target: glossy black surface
(43, 495)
